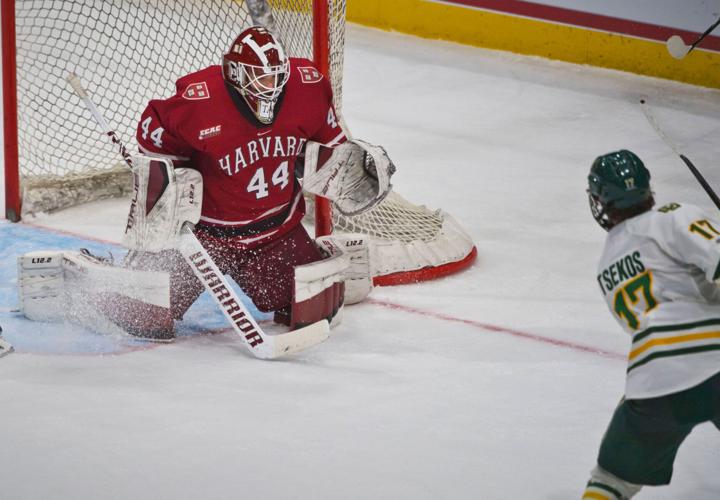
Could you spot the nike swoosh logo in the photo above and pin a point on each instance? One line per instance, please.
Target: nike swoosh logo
(263, 133)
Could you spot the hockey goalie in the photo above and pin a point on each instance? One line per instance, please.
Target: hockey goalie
(226, 158)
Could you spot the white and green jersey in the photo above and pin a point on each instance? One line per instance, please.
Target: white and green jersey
(658, 273)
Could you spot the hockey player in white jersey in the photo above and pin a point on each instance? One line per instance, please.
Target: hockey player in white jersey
(659, 275)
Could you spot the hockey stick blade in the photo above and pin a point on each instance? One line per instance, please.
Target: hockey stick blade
(677, 48)
(287, 343)
(259, 343)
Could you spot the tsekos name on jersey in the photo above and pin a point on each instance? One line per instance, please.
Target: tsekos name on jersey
(625, 268)
(658, 273)
(247, 166)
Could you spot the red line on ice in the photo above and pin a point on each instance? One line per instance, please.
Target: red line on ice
(498, 329)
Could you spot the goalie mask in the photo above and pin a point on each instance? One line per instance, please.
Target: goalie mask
(256, 65)
(618, 188)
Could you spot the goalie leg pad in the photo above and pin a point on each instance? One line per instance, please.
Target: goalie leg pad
(84, 271)
(185, 288)
(139, 319)
(319, 291)
(134, 301)
(355, 249)
(41, 285)
(164, 198)
(83, 289)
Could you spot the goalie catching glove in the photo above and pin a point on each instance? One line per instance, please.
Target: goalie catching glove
(355, 175)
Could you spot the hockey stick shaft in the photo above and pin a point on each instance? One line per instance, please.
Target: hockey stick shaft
(698, 176)
(210, 276)
(707, 32)
(259, 343)
(74, 82)
(710, 192)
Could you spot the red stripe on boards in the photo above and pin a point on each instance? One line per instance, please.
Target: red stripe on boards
(589, 20)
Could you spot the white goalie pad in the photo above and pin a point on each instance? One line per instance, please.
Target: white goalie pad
(86, 272)
(56, 285)
(164, 198)
(355, 175)
(312, 279)
(319, 291)
(354, 248)
(41, 285)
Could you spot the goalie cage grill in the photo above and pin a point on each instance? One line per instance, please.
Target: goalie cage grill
(115, 45)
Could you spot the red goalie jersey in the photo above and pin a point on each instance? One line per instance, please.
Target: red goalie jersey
(250, 189)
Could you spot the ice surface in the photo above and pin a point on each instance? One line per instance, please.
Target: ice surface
(495, 384)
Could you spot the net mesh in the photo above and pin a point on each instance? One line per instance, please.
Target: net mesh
(409, 222)
(126, 52)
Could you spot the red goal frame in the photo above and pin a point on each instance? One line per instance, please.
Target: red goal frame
(13, 201)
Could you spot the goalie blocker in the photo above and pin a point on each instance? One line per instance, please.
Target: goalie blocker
(137, 297)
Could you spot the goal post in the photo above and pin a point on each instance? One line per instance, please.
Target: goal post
(321, 56)
(130, 51)
(10, 136)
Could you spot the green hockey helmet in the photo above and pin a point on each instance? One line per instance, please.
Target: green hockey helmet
(618, 188)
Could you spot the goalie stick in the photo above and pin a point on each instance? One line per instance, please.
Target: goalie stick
(259, 343)
(698, 176)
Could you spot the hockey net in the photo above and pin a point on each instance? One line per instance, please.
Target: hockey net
(130, 51)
